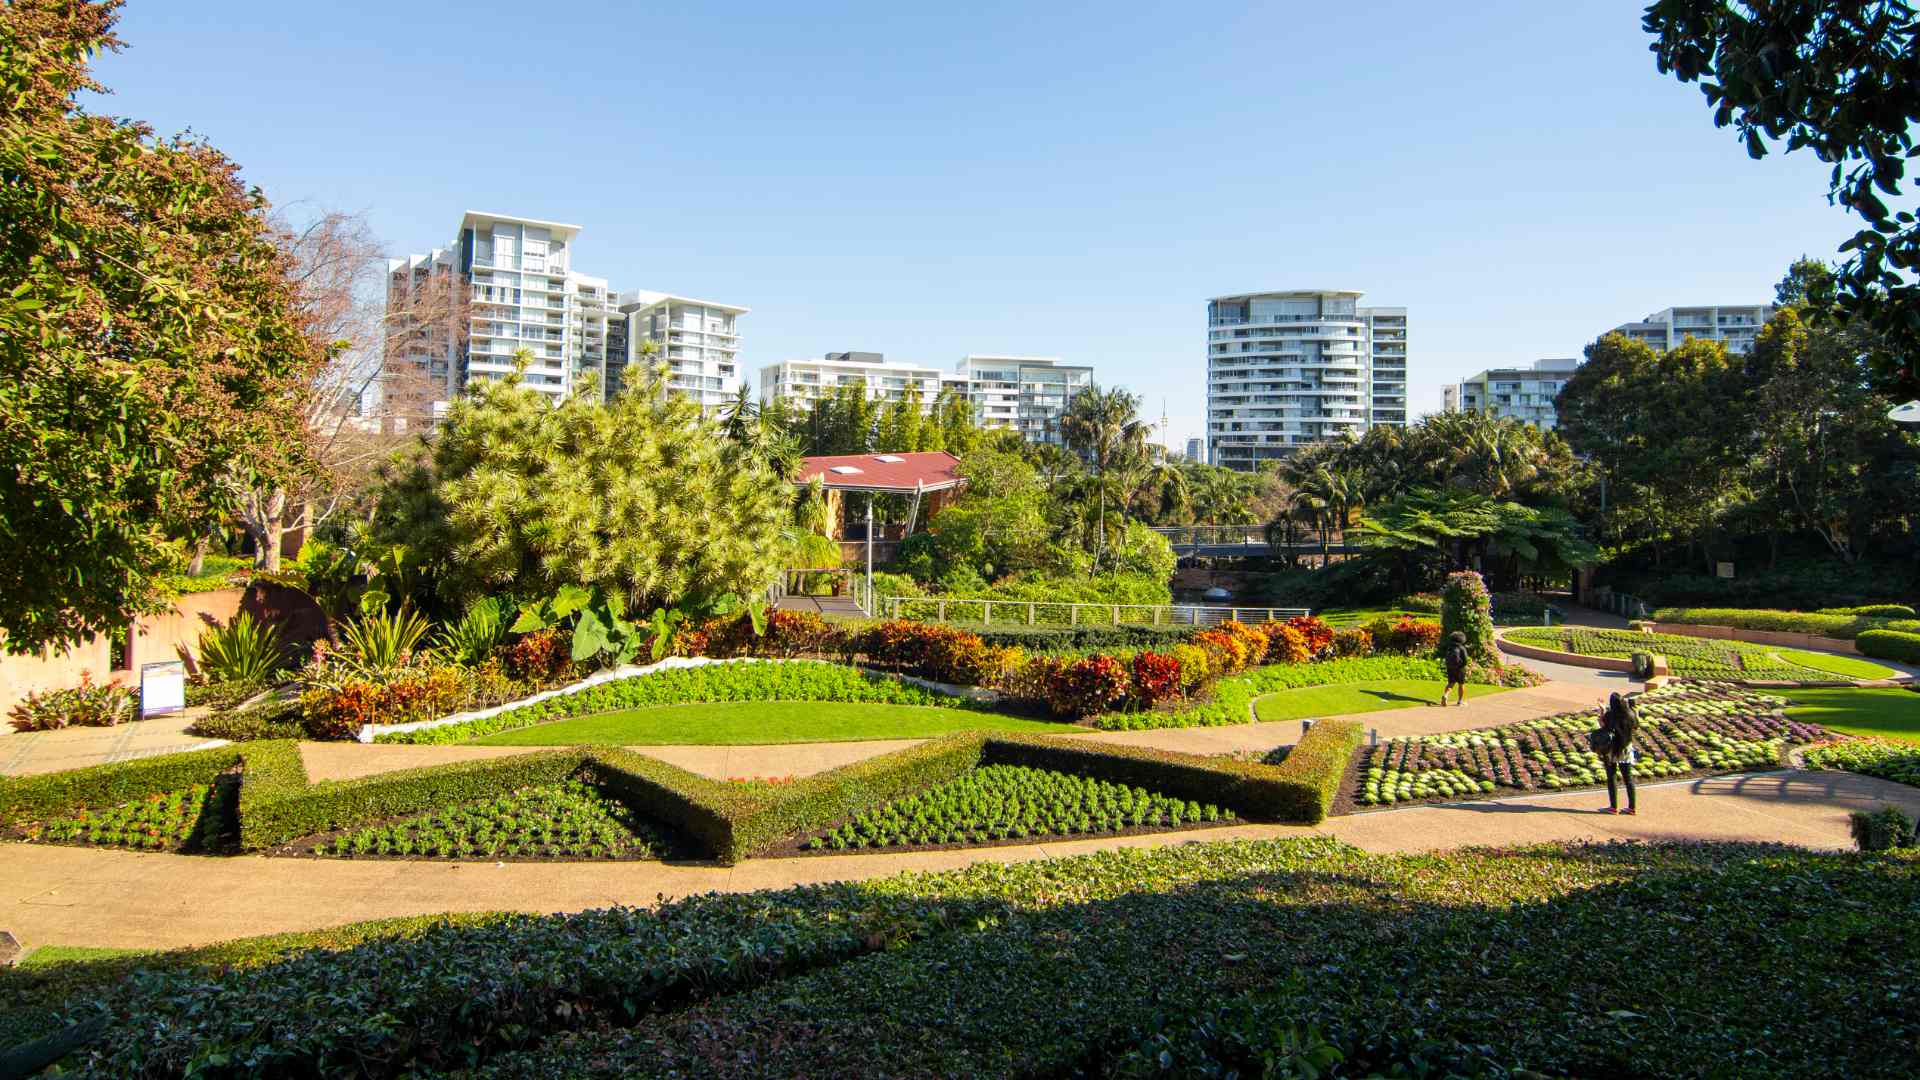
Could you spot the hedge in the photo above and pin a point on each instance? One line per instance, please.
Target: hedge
(1890, 645)
(35, 798)
(1073, 638)
(1791, 622)
(1873, 611)
(1297, 791)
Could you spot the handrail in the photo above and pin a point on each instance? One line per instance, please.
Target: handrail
(1030, 612)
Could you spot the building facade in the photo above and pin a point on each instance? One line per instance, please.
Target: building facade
(1291, 368)
(1197, 450)
(465, 313)
(1027, 394)
(806, 381)
(1525, 394)
(1735, 325)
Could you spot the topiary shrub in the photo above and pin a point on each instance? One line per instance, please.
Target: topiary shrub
(1466, 608)
(1642, 666)
(1889, 645)
(1884, 829)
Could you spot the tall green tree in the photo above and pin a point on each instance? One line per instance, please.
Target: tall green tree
(641, 496)
(1105, 428)
(150, 346)
(1840, 78)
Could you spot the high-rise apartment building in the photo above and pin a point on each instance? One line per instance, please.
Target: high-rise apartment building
(1287, 369)
(805, 381)
(1525, 394)
(1197, 450)
(1737, 325)
(1027, 394)
(507, 285)
(698, 340)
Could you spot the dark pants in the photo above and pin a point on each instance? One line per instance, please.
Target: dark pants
(1453, 680)
(1625, 769)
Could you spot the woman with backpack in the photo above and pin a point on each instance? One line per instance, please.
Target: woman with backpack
(1619, 723)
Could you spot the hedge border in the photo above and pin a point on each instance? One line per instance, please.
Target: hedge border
(1844, 627)
(728, 822)
(1895, 645)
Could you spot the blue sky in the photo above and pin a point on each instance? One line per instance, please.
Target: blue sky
(1060, 179)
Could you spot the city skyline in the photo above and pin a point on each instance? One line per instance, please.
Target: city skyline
(932, 183)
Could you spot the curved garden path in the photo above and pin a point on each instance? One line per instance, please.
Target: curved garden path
(86, 896)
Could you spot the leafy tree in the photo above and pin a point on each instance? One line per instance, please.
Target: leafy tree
(149, 341)
(1105, 428)
(1841, 79)
(642, 497)
(1465, 530)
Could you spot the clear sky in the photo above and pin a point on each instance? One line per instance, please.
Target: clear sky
(1047, 179)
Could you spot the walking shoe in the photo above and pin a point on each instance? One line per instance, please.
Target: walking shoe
(1628, 810)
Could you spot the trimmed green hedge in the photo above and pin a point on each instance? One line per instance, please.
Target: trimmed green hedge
(1823, 624)
(1066, 638)
(36, 798)
(745, 680)
(729, 822)
(1299, 790)
(1233, 696)
(1873, 611)
(1889, 645)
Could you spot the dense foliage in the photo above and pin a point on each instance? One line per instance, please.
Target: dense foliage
(1885, 758)
(1012, 802)
(1841, 80)
(1467, 609)
(1683, 727)
(642, 495)
(150, 344)
(1833, 623)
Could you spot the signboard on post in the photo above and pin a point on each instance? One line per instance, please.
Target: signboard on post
(163, 687)
(1726, 569)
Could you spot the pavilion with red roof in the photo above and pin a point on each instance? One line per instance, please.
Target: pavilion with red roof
(931, 479)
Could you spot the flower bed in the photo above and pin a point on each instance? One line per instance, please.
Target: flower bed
(1688, 657)
(1685, 728)
(193, 817)
(1232, 698)
(1884, 758)
(1013, 802)
(571, 820)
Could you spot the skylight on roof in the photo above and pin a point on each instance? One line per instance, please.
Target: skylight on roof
(888, 457)
(844, 470)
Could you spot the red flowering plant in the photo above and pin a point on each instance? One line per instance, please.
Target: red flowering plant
(1318, 635)
(1086, 687)
(1156, 677)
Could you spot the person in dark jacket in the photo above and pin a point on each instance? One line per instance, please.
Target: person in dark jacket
(1456, 660)
(1621, 721)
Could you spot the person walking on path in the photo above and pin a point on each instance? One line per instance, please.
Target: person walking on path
(1456, 661)
(1620, 722)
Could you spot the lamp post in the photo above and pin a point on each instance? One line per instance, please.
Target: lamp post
(870, 552)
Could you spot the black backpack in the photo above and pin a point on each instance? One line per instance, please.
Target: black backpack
(1456, 658)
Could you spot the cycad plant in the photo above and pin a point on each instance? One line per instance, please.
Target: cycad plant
(478, 633)
(243, 651)
(380, 640)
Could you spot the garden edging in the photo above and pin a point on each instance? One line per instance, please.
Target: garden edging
(1602, 663)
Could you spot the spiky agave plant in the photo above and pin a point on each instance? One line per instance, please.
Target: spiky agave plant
(243, 651)
(381, 640)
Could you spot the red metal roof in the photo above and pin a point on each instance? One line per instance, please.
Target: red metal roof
(932, 470)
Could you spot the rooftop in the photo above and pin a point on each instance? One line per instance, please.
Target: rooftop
(902, 474)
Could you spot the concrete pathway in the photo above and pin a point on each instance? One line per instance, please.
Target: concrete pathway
(24, 753)
(81, 896)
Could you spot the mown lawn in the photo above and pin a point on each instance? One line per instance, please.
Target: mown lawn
(1888, 712)
(1850, 667)
(744, 723)
(1361, 697)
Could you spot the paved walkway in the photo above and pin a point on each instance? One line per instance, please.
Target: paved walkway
(23, 753)
(81, 896)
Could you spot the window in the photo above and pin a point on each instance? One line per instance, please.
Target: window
(844, 470)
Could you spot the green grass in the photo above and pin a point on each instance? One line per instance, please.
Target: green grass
(47, 956)
(1850, 667)
(1360, 697)
(745, 723)
(1361, 616)
(1888, 712)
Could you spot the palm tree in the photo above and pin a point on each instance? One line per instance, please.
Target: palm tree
(738, 416)
(1104, 426)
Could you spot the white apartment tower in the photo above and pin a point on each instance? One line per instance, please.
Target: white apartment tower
(516, 290)
(806, 381)
(1287, 369)
(1525, 394)
(1027, 394)
(1736, 325)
